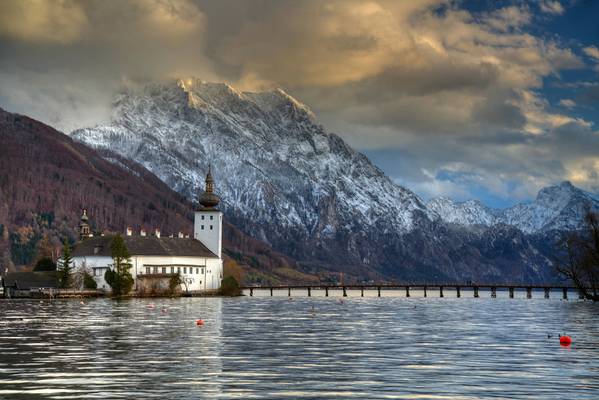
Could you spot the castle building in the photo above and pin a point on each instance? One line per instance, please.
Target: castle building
(155, 259)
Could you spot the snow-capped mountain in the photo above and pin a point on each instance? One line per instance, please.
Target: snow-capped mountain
(560, 207)
(471, 212)
(273, 164)
(284, 179)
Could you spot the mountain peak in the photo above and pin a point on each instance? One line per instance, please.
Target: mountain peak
(561, 206)
(278, 100)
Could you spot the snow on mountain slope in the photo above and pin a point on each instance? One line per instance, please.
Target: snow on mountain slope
(285, 180)
(272, 162)
(559, 207)
(470, 212)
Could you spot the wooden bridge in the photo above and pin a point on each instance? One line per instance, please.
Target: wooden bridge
(425, 287)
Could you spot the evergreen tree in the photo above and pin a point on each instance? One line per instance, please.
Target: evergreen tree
(45, 264)
(119, 278)
(88, 281)
(66, 266)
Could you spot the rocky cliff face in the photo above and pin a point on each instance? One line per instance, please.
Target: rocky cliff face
(287, 181)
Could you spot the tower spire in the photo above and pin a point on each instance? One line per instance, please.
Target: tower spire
(209, 200)
(84, 230)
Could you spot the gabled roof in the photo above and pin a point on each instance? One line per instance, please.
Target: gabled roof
(28, 280)
(144, 246)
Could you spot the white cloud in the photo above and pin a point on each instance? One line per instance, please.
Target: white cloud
(551, 7)
(568, 103)
(592, 52)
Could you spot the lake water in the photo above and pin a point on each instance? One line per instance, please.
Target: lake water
(316, 348)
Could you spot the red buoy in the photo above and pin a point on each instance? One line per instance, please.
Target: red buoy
(199, 322)
(565, 340)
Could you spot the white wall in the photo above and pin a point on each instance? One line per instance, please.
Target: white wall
(97, 266)
(208, 229)
(200, 273)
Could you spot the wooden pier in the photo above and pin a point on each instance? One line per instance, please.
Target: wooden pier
(424, 287)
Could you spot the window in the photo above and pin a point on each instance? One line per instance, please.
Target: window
(164, 270)
(202, 217)
(202, 227)
(172, 270)
(155, 270)
(211, 217)
(147, 270)
(210, 227)
(184, 270)
(178, 270)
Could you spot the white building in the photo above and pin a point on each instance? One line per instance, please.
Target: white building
(155, 259)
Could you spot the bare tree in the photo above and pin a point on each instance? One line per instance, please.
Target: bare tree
(579, 260)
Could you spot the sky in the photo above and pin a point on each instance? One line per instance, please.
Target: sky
(490, 100)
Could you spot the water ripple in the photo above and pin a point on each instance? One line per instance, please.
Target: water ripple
(309, 348)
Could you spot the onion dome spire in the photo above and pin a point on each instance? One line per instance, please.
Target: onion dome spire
(84, 230)
(209, 200)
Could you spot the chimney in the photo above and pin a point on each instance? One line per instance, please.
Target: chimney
(157, 233)
(186, 236)
(180, 235)
(142, 232)
(129, 231)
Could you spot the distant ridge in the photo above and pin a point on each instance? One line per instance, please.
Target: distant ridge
(560, 207)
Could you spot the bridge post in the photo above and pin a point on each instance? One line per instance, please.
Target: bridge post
(379, 290)
(309, 291)
(458, 294)
(362, 292)
(407, 291)
(424, 287)
(565, 293)
(493, 292)
(440, 291)
(511, 292)
(289, 291)
(529, 292)
(251, 292)
(344, 292)
(271, 292)
(547, 290)
(326, 291)
(475, 291)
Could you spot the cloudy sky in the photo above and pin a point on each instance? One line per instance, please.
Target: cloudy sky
(469, 99)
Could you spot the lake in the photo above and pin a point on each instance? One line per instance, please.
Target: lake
(308, 348)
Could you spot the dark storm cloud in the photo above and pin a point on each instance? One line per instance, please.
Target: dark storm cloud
(450, 90)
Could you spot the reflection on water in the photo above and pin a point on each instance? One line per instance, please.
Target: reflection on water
(315, 347)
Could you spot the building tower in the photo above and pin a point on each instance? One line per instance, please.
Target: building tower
(84, 231)
(208, 221)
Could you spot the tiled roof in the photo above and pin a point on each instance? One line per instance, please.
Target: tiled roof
(144, 246)
(28, 280)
